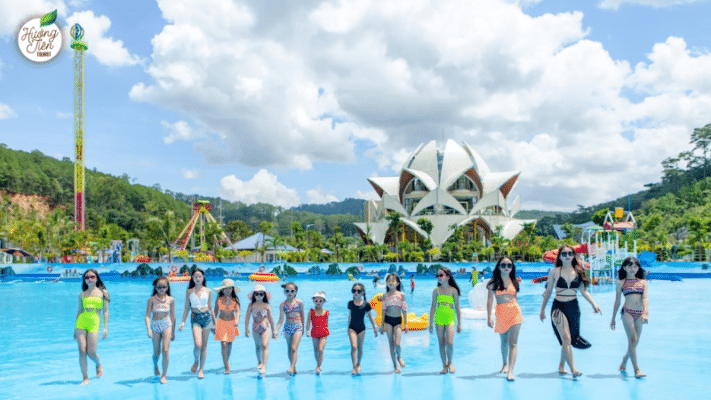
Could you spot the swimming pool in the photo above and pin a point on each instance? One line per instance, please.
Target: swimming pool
(41, 358)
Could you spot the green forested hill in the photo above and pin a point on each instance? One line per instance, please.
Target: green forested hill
(115, 200)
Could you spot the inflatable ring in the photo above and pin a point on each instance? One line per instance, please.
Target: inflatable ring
(49, 268)
(173, 268)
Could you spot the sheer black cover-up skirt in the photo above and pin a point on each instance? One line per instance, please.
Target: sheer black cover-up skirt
(571, 310)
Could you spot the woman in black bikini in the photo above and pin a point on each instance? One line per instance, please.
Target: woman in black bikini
(567, 277)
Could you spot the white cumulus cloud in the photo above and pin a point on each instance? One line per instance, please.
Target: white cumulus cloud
(107, 50)
(190, 173)
(317, 196)
(264, 187)
(615, 4)
(179, 131)
(6, 111)
(13, 13)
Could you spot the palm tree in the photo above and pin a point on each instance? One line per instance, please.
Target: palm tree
(395, 223)
(274, 243)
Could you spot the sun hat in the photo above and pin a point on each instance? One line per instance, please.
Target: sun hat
(259, 288)
(227, 283)
(321, 295)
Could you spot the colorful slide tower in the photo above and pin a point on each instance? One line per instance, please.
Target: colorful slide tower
(77, 33)
(201, 214)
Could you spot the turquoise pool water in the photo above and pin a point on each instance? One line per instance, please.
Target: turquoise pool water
(40, 357)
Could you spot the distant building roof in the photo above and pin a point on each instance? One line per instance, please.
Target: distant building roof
(256, 241)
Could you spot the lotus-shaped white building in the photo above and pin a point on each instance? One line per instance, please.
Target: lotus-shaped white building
(449, 187)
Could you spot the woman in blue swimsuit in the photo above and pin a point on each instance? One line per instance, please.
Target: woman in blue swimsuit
(293, 310)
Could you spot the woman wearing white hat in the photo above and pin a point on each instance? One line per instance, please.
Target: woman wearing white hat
(263, 325)
(227, 322)
(318, 318)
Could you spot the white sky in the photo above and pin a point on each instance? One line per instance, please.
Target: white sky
(299, 102)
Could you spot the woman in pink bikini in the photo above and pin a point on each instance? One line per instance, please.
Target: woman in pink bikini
(263, 324)
(635, 312)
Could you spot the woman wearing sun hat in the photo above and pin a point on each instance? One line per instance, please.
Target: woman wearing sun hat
(263, 325)
(227, 322)
(319, 318)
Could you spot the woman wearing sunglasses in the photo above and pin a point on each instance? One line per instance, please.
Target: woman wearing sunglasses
(261, 313)
(161, 328)
(632, 284)
(93, 300)
(293, 310)
(357, 308)
(503, 287)
(317, 322)
(198, 301)
(446, 298)
(567, 277)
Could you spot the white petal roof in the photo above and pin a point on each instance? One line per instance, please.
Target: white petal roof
(385, 184)
(391, 203)
(456, 161)
(425, 159)
(378, 230)
(424, 177)
(438, 196)
(481, 167)
(515, 207)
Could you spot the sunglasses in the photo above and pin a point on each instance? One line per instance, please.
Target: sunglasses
(506, 265)
(356, 291)
(567, 253)
(161, 287)
(90, 277)
(441, 275)
(259, 294)
(289, 290)
(319, 300)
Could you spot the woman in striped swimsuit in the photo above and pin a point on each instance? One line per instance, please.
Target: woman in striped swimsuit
(635, 312)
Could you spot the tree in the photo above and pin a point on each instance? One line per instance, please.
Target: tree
(701, 139)
(599, 216)
(337, 240)
(265, 227)
(274, 243)
(395, 222)
(237, 230)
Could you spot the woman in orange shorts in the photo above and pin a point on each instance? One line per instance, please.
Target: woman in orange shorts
(503, 287)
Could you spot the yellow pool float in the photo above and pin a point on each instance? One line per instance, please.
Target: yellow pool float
(414, 323)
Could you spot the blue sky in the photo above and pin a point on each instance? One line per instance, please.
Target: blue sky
(299, 102)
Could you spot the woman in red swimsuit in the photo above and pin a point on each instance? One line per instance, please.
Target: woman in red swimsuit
(319, 332)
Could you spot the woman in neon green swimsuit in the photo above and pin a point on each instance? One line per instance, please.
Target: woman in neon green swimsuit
(446, 298)
(93, 299)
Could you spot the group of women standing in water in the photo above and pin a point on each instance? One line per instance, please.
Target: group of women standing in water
(566, 279)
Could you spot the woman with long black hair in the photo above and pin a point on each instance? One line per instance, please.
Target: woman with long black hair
(503, 287)
(567, 277)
